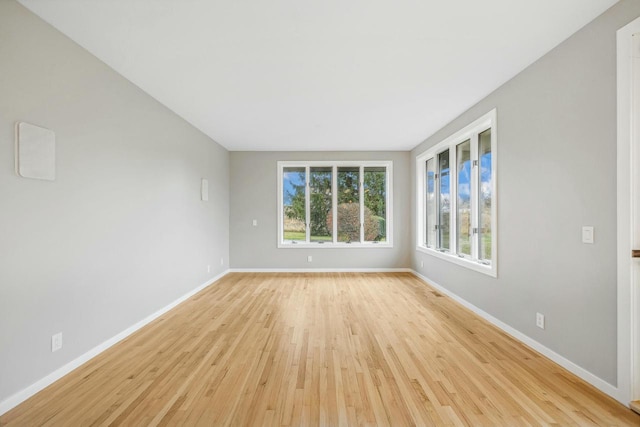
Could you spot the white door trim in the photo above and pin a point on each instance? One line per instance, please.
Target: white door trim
(628, 387)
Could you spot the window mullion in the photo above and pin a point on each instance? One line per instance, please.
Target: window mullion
(334, 203)
(388, 201)
(453, 199)
(438, 198)
(361, 201)
(307, 204)
(425, 199)
(475, 175)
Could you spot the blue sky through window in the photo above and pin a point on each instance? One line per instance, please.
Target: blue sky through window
(290, 180)
(464, 178)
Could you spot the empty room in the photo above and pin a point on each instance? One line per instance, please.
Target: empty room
(409, 213)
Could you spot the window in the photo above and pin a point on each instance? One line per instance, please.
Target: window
(334, 204)
(430, 216)
(457, 197)
(444, 205)
(320, 184)
(463, 155)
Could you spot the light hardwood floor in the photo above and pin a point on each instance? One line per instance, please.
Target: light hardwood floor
(320, 349)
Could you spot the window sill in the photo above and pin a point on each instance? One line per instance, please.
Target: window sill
(288, 245)
(489, 270)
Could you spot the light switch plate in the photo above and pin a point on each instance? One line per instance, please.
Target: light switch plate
(205, 190)
(587, 234)
(56, 342)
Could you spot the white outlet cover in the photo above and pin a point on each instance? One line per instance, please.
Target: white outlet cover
(540, 320)
(309, 258)
(587, 234)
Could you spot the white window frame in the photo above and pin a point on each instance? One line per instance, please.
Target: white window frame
(471, 132)
(334, 205)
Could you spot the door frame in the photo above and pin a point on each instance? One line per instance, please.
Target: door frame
(628, 311)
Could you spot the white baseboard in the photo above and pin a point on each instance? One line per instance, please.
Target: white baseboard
(320, 270)
(587, 376)
(19, 397)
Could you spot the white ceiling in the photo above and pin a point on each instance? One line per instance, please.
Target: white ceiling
(318, 75)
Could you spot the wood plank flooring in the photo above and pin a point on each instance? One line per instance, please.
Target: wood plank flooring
(320, 349)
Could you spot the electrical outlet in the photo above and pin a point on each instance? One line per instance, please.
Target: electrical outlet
(255, 222)
(421, 263)
(540, 320)
(221, 261)
(309, 258)
(208, 269)
(56, 342)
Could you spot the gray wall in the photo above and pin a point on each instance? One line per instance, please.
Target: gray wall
(122, 232)
(557, 172)
(253, 196)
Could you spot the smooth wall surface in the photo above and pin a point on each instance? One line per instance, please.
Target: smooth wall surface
(557, 172)
(254, 196)
(122, 231)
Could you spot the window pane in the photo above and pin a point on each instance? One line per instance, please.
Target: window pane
(430, 225)
(463, 157)
(348, 204)
(320, 204)
(375, 204)
(485, 195)
(294, 217)
(444, 206)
